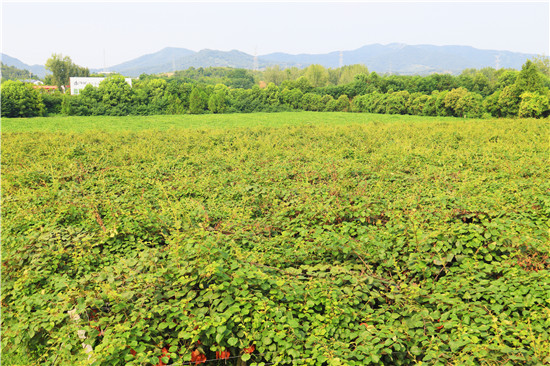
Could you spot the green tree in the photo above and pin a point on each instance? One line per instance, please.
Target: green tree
(529, 79)
(20, 100)
(430, 105)
(417, 101)
(272, 94)
(397, 103)
(155, 88)
(508, 101)
(13, 73)
(506, 78)
(312, 102)
(342, 104)
(114, 90)
(329, 103)
(451, 101)
(349, 72)
(217, 100)
(441, 108)
(542, 63)
(292, 98)
(274, 74)
(533, 105)
(470, 105)
(240, 78)
(317, 75)
(63, 68)
(303, 84)
(490, 104)
(197, 101)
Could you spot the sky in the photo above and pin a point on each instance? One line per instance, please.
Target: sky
(98, 34)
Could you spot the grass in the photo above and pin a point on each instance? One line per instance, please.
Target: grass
(167, 122)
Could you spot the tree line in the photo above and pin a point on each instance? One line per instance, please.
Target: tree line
(474, 93)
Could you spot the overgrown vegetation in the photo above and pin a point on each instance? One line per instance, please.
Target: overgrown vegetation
(387, 240)
(474, 93)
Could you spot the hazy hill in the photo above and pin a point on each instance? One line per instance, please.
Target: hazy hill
(38, 70)
(168, 60)
(406, 59)
(394, 58)
(161, 61)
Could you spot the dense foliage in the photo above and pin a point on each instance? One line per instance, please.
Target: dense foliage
(20, 100)
(62, 68)
(474, 93)
(391, 241)
(13, 73)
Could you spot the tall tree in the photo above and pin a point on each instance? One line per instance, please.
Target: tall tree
(317, 75)
(529, 79)
(197, 101)
(63, 68)
(274, 74)
(348, 73)
(543, 64)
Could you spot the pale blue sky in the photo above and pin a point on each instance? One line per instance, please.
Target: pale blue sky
(83, 30)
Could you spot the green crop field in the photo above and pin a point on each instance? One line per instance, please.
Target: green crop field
(287, 238)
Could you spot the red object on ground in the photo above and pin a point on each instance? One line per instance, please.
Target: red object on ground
(164, 354)
(223, 355)
(249, 349)
(197, 357)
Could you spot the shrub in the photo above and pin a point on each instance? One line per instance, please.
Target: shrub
(20, 100)
(533, 105)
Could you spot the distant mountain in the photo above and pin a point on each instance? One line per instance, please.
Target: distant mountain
(394, 58)
(406, 59)
(38, 70)
(170, 59)
(161, 61)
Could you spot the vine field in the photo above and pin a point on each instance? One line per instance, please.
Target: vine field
(289, 238)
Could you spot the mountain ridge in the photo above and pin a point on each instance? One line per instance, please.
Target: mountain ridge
(397, 58)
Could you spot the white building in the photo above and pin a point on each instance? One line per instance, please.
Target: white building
(79, 83)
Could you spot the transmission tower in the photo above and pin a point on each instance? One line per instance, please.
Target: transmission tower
(255, 66)
(497, 62)
(341, 62)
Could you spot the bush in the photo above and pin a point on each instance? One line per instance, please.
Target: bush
(52, 102)
(197, 101)
(508, 101)
(312, 102)
(20, 100)
(533, 105)
(397, 103)
(470, 106)
(490, 104)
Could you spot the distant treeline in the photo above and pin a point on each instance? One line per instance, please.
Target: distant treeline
(13, 73)
(474, 93)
